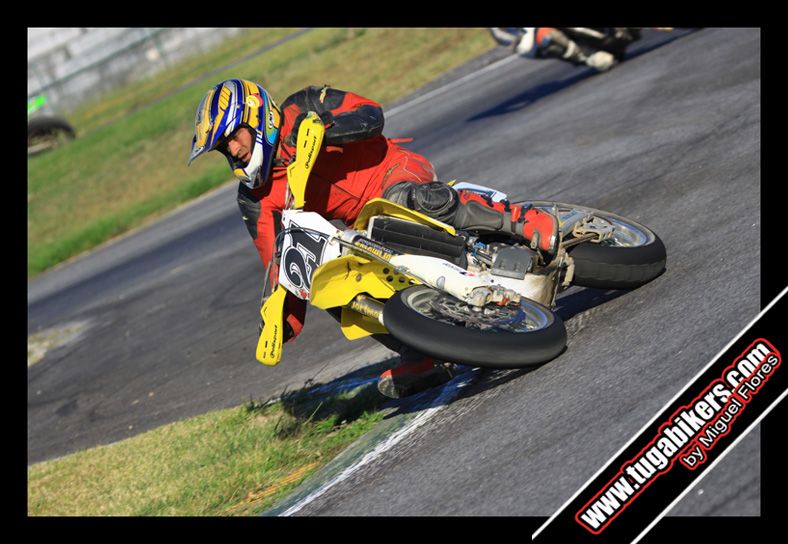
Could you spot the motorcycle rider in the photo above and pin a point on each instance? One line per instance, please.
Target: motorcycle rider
(599, 48)
(357, 163)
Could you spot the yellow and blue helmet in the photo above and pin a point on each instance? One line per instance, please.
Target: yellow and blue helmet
(232, 104)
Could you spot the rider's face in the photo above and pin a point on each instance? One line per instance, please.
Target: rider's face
(239, 145)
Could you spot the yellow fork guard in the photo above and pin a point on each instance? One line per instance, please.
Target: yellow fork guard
(269, 346)
(310, 138)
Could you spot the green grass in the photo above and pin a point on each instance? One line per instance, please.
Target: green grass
(128, 163)
(232, 462)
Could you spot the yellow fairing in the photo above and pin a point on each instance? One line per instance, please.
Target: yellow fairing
(336, 284)
(381, 206)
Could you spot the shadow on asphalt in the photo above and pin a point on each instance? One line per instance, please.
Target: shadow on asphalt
(532, 95)
(346, 397)
(584, 299)
(475, 381)
(311, 400)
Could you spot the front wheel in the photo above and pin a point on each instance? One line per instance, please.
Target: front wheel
(439, 325)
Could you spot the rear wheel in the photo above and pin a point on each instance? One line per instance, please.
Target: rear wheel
(439, 325)
(633, 256)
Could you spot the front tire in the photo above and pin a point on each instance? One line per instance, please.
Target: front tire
(443, 327)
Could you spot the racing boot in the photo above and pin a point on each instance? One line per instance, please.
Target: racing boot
(470, 210)
(415, 373)
(539, 228)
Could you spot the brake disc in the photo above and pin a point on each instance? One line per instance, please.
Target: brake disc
(484, 318)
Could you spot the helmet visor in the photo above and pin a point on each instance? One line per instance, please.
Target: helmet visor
(203, 128)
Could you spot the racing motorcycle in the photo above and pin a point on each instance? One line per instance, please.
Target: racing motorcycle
(589, 44)
(481, 300)
(613, 40)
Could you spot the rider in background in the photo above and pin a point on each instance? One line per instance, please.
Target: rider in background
(599, 48)
(239, 119)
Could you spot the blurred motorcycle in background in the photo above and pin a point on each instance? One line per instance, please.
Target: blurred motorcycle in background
(45, 131)
(599, 48)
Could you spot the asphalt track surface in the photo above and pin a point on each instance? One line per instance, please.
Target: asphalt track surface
(670, 138)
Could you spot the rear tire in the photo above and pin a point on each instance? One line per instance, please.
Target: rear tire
(609, 267)
(432, 322)
(633, 257)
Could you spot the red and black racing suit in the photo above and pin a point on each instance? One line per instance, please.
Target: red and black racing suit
(356, 164)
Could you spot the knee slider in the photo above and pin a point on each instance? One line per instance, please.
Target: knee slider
(434, 199)
(399, 192)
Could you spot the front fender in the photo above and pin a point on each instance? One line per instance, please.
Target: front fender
(339, 281)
